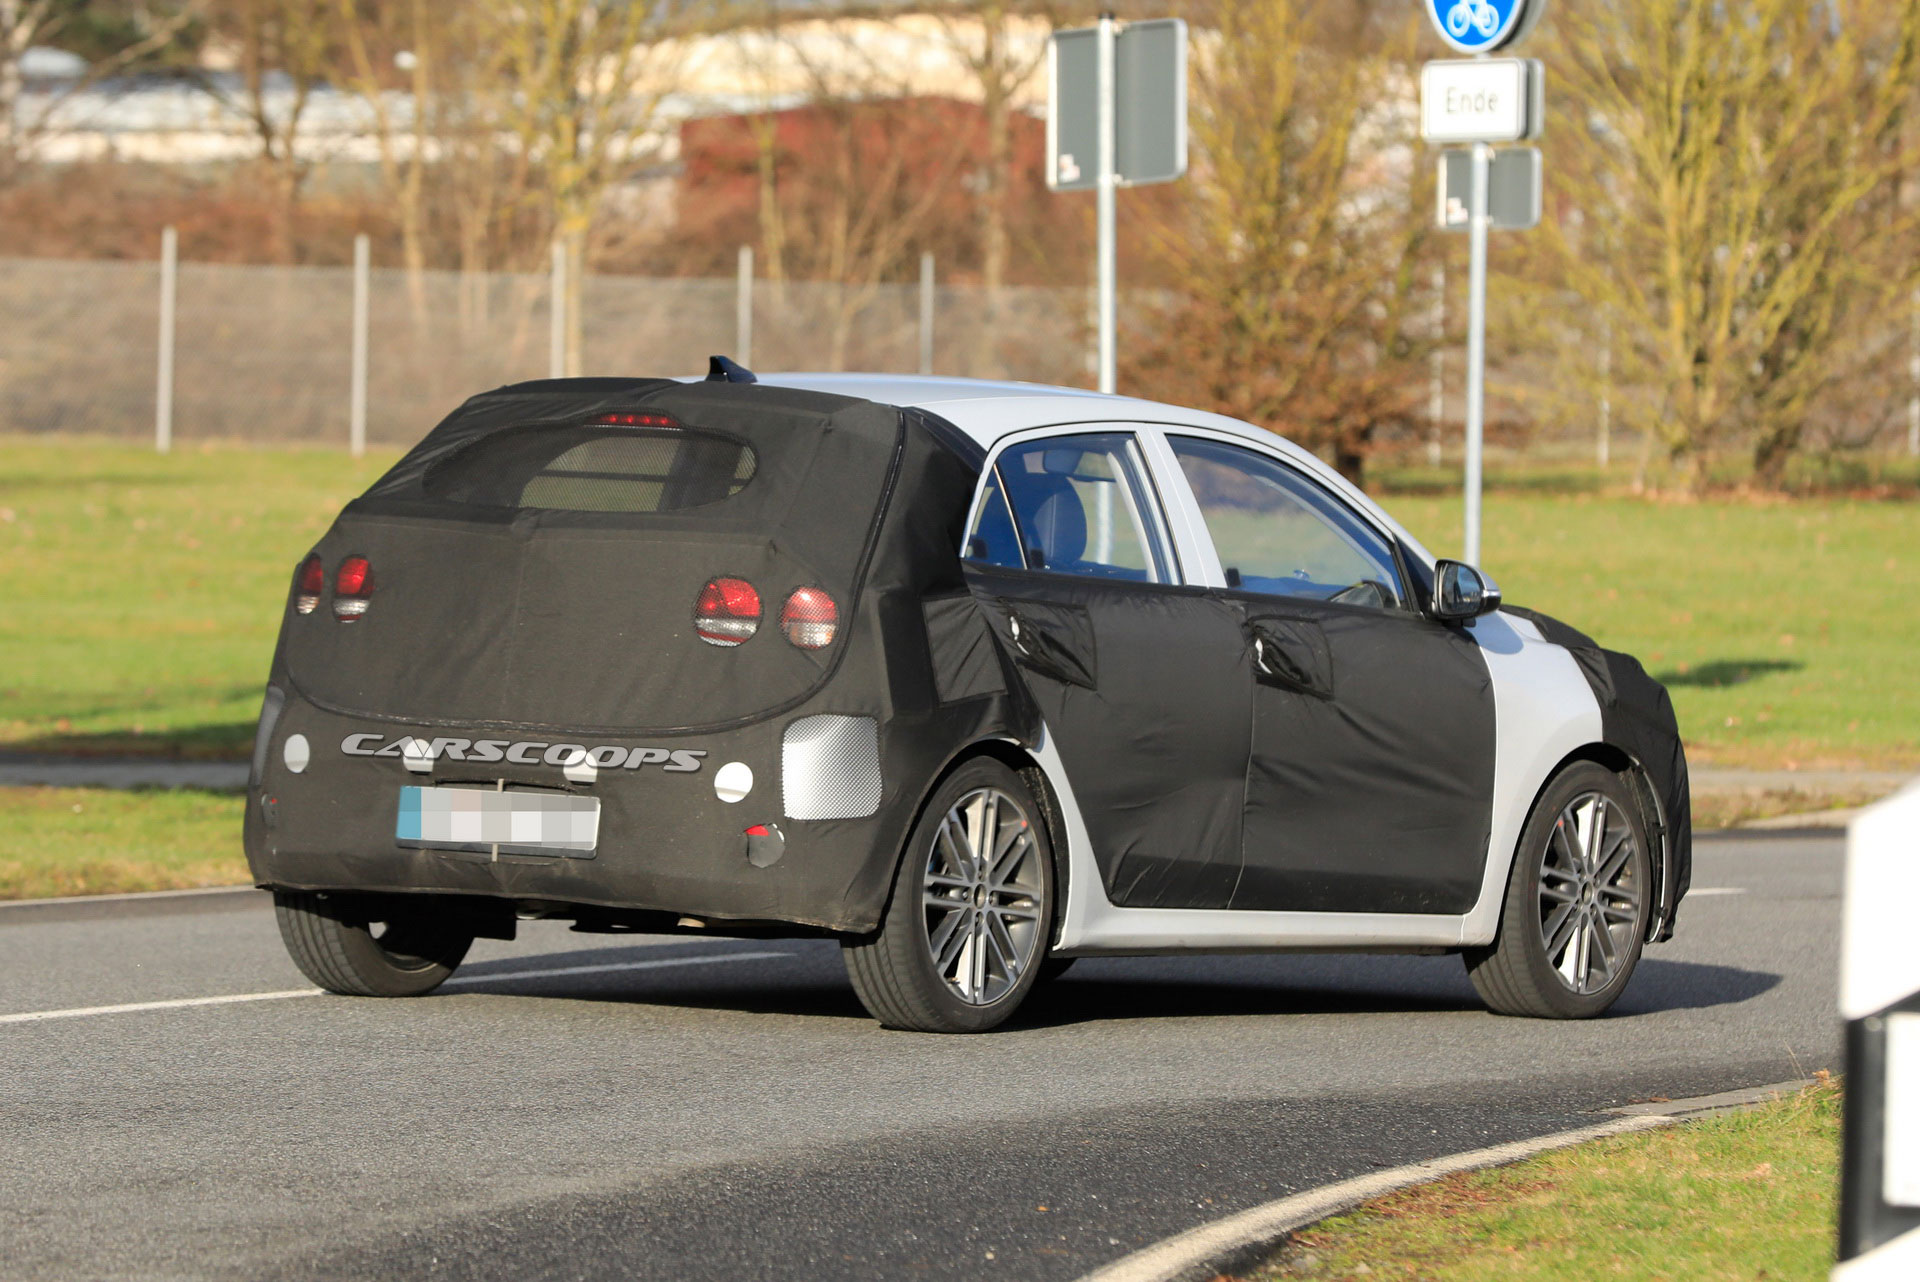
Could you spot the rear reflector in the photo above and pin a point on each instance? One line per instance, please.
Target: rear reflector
(352, 585)
(810, 618)
(309, 584)
(727, 613)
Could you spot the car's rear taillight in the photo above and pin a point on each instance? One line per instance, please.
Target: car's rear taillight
(727, 613)
(352, 586)
(810, 618)
(309, 584)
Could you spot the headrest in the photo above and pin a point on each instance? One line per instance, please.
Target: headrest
(1051, 515)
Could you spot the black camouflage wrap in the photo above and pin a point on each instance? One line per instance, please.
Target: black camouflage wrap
(576, 628)
(1349, 769)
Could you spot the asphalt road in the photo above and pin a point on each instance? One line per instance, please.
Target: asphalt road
(733, 1116)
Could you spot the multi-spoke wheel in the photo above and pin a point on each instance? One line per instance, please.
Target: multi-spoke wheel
(1577, 903)
(966, 933)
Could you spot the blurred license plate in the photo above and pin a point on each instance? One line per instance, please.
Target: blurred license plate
(482, 820)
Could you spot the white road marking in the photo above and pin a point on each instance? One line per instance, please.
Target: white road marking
(1716, 890)
(180, 1003)
(1186, 1254)
(80, 1012)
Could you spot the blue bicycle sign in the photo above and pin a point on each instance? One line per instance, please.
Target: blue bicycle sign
(1481, 26)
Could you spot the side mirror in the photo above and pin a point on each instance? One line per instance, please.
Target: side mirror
(1461, 592)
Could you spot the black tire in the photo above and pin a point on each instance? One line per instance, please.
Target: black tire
(1595, 900)
(1052, 968)
(359, 946)
(908, 974)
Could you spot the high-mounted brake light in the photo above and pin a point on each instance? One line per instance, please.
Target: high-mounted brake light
(637, 420)
(352, 585)
(727, 613)
(810, 618)
(309, 584)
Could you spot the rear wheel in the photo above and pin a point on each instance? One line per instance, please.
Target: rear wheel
(361, 946)
(1577, 903)
(965, 935)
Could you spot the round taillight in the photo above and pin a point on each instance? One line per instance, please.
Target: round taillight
(727, 613)
(810, 618)
(352, 585)
(309, 584)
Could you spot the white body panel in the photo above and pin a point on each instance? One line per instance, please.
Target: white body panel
(1544, 709)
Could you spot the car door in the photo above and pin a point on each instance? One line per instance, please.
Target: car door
(1370, 783)
(1143, 680)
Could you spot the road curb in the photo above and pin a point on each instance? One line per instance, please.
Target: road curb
(1239, 1241)
(142, 903)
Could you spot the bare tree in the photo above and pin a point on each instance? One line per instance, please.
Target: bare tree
(126, 39)
(1299, 246)
(852, 180)
(389, 46)
(1002, 44)
(286, 50)
(1739, 173)
(580, 91)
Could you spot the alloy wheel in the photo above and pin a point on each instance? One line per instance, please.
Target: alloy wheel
(1590, 896)
(983, 896)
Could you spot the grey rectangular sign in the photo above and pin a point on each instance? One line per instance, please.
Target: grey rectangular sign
(1150, 105)
(1073, 110)
(1513, 189)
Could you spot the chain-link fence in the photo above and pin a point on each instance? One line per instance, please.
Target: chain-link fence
(266, 353)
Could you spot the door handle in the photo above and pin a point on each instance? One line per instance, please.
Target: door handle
(1018, 634)
(1059, 644)
(1300, 662)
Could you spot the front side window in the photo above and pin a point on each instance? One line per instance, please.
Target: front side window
(1073, 504)
(1279, 533)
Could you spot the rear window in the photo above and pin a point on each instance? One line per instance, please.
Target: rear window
(595, 468)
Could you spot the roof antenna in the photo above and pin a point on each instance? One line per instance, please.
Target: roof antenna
(722, 370)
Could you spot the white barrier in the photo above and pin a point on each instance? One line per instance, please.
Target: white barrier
(1880, 1001)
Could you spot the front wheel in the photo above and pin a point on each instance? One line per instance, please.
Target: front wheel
(965, 935)
(1577, 903)
(359, 946)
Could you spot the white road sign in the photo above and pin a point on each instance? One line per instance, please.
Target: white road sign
(1481, 100)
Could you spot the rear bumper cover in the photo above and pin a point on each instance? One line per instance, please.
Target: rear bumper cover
(667, 840)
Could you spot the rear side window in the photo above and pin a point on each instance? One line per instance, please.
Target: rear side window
(595, 469)
(1079, 505)
(994, 540)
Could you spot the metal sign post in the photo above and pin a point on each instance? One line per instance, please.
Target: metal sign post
(1476, 346)
(1482, 101)
(1108, 270)
(1116, 96)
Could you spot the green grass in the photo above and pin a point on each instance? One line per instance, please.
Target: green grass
(1785, 629)
(1744, 1196)
(91, 841)
(142, 595)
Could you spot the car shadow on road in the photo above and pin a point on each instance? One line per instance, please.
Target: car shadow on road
(1367, 987)
(809, 982)
(1660, 985)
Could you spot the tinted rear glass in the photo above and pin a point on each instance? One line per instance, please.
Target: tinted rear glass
(595, 469)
